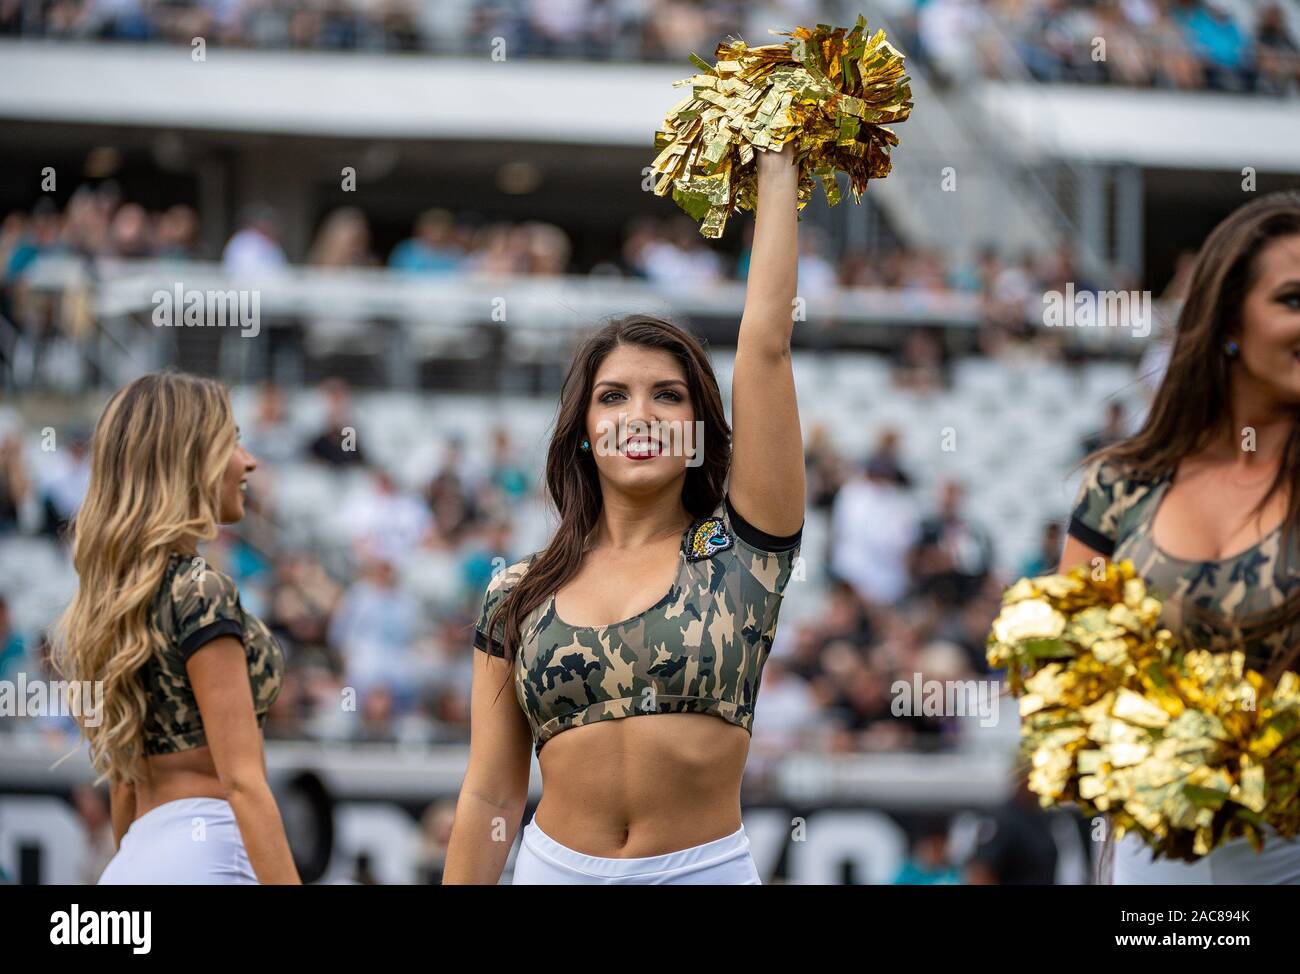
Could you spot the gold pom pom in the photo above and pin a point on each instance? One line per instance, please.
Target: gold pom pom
(1184, 747)
(827, 90)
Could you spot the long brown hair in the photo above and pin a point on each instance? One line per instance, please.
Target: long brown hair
(571, 480)
(1192, 401)
(158, 455)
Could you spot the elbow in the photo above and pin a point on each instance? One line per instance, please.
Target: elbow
(244, 783)
(770, 343)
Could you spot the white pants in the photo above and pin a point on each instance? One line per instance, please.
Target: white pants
(190, 841)
(1235, 863)
(722, 862)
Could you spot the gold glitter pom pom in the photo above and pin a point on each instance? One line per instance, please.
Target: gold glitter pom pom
(829, 90)
(1185, 747)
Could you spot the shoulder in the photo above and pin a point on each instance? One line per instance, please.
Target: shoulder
(505, 579)
(1110, 489)
(502, 583)
(203, 602)
(768, 558)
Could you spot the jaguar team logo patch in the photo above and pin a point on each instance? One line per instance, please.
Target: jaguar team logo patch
(706, 538)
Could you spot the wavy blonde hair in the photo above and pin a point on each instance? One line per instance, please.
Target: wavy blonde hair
(158, 456)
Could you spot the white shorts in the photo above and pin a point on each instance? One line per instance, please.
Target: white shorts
(1235, 863)
(190, 841)
(722, 862)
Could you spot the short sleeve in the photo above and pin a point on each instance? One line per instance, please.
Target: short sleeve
(770, 558)
(1094, 519)
(206, 606)
(500, 586)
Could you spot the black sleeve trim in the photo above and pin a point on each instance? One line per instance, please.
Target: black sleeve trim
(761, 540)
(481, 644)
(199, 638)
(1093, 538)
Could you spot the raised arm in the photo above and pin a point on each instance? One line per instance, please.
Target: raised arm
(767, 474)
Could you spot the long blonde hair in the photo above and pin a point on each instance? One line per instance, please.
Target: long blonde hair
(157, 459)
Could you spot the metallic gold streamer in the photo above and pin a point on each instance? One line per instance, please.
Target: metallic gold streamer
(1184, 747)
(828, 90)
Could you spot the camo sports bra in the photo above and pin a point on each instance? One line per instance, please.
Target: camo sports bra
(699, 649)
(1217, 605)
(196, 604)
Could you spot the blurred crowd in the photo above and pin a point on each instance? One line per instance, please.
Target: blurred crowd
(1185, 44)
(590, 29)
(1178, 44)
(97, 222)
(376, 613)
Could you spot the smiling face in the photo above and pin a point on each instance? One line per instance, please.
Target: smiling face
(640, 420)
(1269, 329)
(234, 484)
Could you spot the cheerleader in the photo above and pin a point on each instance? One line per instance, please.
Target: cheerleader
(657, 596)
(187, 673)
(1205, 498)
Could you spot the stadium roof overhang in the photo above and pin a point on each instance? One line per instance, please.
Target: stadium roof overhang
(337, 95)
(1157, 129)
(364, 96)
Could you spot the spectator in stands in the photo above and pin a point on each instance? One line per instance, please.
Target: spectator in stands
(270, 436)
(548, 249)
(946, 28)
(1114, 430)
(1048, 556)
(38, 238)
(676, 255)
(449, 498)
(131, 234)
(338, 444)
(927, 861)
(507, 474)
(920, 365)
(432, 248)
(65, 482)
(791, 714)
(1216, 37)
(303, 598)
(13, 651)
(873, 528)
(15, 485)
(817, 275)
(1016, 846)
(485, 556)
(96, 820)
(255, 250)
(825, 468)
(953, 555)
(374, 630)
(888, 455)
(449, 671)
(178, 233)
(387, 522)
(1279, 56)
(343, 240)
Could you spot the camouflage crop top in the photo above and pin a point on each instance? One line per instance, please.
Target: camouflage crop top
(699, 649)
(1215, 605)
(196, 604)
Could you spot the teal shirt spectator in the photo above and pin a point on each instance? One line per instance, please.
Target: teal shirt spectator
(419, 258)
(13, 656)
(917, 874)
(1218, 40)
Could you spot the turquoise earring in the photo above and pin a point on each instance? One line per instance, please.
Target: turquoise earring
(585, 445)
(1231, 348)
